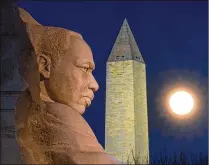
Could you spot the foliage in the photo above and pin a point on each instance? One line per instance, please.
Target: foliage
(174, 159)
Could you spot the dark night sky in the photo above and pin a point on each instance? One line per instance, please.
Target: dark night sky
(172, 38)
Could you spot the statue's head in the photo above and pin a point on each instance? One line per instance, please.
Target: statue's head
(63, 63)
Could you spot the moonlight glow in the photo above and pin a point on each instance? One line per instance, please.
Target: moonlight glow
(181, 102)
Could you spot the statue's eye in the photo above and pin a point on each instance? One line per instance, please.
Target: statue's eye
(85, 69)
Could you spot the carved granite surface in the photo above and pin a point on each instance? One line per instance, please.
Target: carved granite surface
(56, 64)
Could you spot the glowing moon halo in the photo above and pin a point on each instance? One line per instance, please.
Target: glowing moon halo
(181, 102)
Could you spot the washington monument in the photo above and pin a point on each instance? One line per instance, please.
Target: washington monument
(126, 118)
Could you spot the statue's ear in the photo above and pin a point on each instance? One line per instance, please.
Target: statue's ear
(44, 63)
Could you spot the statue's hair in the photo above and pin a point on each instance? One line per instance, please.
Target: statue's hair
(51, 41)
(47, 40)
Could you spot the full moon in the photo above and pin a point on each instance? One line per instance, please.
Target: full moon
(181, 102)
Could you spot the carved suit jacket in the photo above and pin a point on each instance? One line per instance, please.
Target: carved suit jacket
(53, 133)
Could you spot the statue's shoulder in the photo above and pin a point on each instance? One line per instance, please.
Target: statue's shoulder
(68, 116)
(61, 110)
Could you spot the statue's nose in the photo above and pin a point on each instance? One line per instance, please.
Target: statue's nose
(94, 85)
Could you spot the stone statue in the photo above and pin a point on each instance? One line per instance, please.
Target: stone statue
(57, 65)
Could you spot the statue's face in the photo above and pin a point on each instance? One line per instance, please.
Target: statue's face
(72, 82)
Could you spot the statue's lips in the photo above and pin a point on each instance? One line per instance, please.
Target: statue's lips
(88, 101)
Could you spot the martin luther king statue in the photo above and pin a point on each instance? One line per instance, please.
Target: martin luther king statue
(57, 66)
